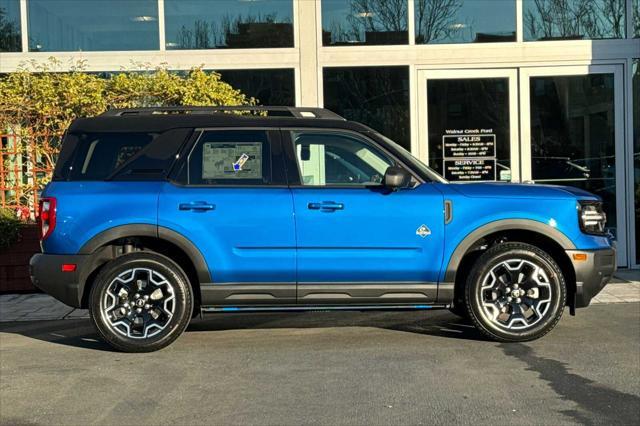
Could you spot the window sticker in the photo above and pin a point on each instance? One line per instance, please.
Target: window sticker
(237, 166)
(237, 160)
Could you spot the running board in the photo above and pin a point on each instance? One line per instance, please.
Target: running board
(302, 308)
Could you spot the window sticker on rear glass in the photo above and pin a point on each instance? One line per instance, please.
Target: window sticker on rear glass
(237, 160)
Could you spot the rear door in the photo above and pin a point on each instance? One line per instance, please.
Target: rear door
(357, 241)
(229, 198)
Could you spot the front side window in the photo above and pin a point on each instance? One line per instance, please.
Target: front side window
(230, 158)
(335, 159)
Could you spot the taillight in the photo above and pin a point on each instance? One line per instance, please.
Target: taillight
(47, 217)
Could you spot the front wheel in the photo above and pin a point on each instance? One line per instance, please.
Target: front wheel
(515, 292)
(141, 302)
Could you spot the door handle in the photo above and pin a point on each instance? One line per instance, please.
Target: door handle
(199, 206)
(326, 205)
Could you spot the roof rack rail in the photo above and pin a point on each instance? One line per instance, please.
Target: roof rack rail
(277, 111)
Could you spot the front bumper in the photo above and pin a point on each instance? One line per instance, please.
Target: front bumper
(593, 273)
(46, 274)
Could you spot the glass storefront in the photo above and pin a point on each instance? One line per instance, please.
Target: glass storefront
(269, 87)
(573, 135)
(352, 22)
(636, 151)
(573, 19)
(215, 24)
(465, 21)
(635, 5)
(92, 25)
(375, 96)
(469, 128)
(10, 38)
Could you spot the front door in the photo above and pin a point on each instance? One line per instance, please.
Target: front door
(357, 242)
(231, 201)
(573, 134)
(469, 124)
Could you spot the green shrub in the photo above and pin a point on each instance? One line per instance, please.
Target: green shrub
(9, 228)
(38, 102)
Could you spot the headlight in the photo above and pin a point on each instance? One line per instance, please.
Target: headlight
(591, 217)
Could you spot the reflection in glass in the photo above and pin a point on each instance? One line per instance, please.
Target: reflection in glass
(274, 87)
(635, 6)
(573, 135)
(375, 96)
(347, 22)
(469, 106)
(573, 19)
(211, 24)
(10, 38)
(636, 150)
(465, 21)
(91, 25)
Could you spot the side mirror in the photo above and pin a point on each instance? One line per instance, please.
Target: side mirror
(396, 177)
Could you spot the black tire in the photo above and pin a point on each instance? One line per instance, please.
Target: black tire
(123, 332)
(493, 269)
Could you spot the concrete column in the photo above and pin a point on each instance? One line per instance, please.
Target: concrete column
(307, 77)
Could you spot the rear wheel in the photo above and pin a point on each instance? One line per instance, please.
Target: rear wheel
(516, 292)
(141, 302)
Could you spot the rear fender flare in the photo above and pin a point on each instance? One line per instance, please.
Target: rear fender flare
(144, 230)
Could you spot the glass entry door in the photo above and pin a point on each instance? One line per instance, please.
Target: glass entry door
(572, 134)
(468, 124)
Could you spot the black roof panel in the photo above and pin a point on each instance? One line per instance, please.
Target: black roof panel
(159, 122)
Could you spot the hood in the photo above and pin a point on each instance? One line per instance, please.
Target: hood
(519, 190)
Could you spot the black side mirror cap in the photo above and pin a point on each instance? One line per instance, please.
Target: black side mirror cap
(396, 177)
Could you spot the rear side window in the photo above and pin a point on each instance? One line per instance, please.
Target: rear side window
(230, 157)
(98, 155)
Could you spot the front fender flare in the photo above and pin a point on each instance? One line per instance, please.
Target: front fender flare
(497, 226)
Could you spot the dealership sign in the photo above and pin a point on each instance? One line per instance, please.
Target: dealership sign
(469, 155)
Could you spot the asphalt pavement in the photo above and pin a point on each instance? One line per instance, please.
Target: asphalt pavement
(327, 368)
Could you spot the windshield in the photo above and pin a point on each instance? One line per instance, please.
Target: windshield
(413, 161)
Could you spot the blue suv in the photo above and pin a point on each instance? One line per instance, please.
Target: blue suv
(156, 215)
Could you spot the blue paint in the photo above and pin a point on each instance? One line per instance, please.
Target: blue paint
(268, 234)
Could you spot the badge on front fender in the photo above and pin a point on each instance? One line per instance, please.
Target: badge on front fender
(423, 231)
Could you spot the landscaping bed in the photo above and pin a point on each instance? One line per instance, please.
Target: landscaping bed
(14, 261)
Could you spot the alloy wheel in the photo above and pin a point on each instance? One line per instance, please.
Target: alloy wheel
(139, 303)
(515, 294)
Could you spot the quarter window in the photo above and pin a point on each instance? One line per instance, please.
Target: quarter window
(98, 155)
(338, 159)
(230, 158)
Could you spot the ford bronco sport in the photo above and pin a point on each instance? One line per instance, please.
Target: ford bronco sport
(156, 215)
